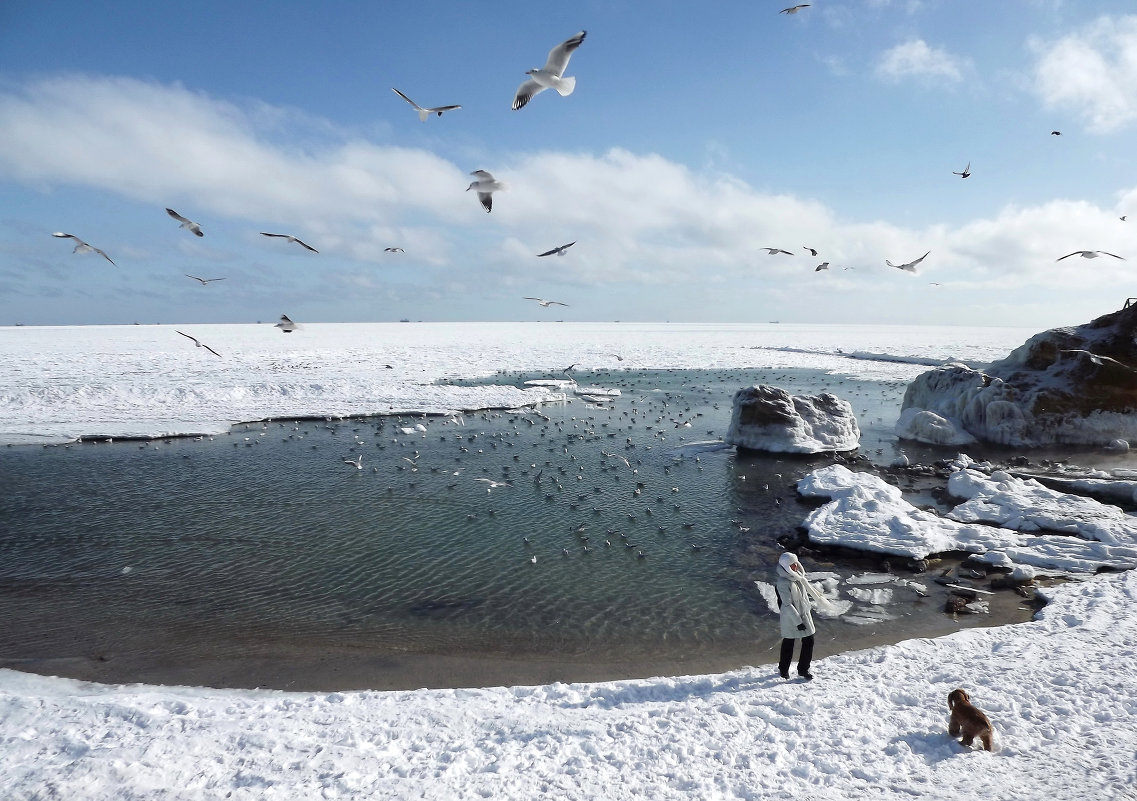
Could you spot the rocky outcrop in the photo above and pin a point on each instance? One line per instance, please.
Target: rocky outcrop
(1066, 386)
(768, 418)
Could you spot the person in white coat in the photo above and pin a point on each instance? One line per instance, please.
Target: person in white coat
(796, 599)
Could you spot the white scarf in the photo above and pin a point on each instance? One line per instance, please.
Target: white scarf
(785, 567)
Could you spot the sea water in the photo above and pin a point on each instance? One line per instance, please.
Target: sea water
(609, 526)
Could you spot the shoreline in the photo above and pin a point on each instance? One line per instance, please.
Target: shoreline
(295, 667)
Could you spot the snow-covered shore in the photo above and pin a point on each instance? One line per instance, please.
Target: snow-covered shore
(873, 724)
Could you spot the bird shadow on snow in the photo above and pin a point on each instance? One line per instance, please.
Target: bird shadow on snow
(674, 690)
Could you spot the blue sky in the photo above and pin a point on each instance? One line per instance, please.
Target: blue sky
(698, 134)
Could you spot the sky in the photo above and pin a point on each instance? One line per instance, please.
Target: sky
(697, 136)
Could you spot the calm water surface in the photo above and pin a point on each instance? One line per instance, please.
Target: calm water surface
(265, 538)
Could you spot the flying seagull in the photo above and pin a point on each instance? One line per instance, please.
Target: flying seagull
(83, 247)
(393, 250)
(823, 266)
(423, 113)
(966, 171)
(544, 304)
(189, 225)
(199, 344)
(560, 251)
(794, 9)
(1055, 133)
(286, 325)
(203, 281)
(291, 238)
(812, 251)
(1097, 358)
(550, 76)
(910, 266)
(485, 186)
(357, 462)
(1090, 254)
(776, 251)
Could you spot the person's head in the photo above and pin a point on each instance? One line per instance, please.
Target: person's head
(790, 563)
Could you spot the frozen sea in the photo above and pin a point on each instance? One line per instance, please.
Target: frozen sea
(165, 544)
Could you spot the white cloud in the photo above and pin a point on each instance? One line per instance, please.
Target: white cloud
(646, 225)
(915, 59)
(1092, 72)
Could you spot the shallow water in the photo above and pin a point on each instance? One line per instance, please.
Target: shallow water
(134, 559)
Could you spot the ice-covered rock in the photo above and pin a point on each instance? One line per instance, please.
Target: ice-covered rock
(867, 513)
(1075, 386)
(767, 418)
(923, 425)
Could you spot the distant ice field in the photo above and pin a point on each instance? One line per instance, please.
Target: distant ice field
(58, 384)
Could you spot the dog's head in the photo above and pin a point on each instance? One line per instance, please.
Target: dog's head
(957, 696)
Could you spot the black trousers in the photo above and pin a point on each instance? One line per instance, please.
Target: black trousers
(803, 660)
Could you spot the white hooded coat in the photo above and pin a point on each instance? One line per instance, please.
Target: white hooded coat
(796, 605)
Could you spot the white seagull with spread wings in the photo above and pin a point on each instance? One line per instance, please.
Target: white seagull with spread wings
(910, 266)
(286, 325)
(291, 238)
(188, 224)
(1090, 254)
(423, 113)
(199, 344)
(544, 304)
(203, 281)
(551, 76)
(485, 186)
(83, 247)
(560, 251)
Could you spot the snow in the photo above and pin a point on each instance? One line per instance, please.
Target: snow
(868, 513)
(873, 724)
(60, 383)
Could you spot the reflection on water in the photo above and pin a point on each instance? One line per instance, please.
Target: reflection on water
(609, 530)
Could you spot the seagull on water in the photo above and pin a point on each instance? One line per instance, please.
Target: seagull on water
(485, 186)
(966, 171)
(794, 9)
(560, 251)
(199, 344)
(776, 251)
(189, 225)
(544, 304)
(357, 462)
(423, 113)
(286, 325)
(83, 247)
(493, 484)
(1090, 254)
(551, 75)
(291, 238)
(203, 281)
(910, 266)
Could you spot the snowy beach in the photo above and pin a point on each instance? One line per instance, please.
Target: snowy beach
(873, 724)
(1060, 692)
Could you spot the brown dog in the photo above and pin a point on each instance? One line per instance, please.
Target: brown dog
(968, 720)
